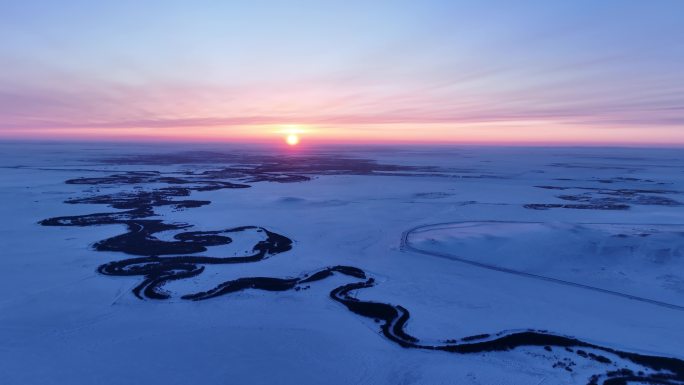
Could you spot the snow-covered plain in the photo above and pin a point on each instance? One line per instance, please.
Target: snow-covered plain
(638, 260)
(577, 215)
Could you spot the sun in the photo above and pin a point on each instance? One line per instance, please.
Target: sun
(292, 133)
(292, 139)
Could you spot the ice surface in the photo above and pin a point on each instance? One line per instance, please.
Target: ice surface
(62, 322)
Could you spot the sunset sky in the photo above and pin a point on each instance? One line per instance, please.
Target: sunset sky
(544, 72)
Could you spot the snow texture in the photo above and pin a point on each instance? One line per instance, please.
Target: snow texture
(363, 266)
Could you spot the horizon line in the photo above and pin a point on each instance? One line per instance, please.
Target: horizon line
(309, 144)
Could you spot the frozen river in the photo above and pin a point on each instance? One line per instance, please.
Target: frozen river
(217, 262)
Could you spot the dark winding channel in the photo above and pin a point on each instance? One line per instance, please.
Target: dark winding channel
(159, 261)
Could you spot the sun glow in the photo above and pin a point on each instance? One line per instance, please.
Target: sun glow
(292, 139)
(292, 133)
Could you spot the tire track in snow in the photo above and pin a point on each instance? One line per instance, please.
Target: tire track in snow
(405, 245)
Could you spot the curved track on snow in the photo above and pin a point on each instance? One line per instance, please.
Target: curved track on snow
(406, 245)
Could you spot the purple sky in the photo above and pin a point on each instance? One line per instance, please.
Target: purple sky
(440, 71)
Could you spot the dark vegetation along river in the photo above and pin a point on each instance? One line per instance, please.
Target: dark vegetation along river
(158, 261)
